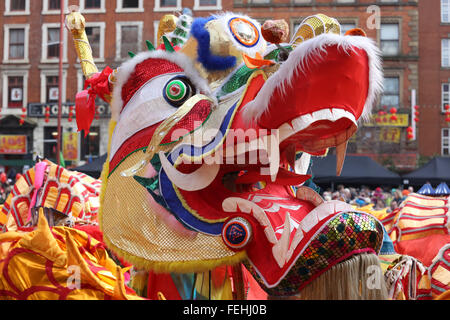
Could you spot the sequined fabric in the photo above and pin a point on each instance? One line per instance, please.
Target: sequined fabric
(345, 235)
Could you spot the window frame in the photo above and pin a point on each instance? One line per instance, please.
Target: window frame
(52, 72)
(7, 28)
(44, 55)
(15, 73)
(120, 9)
(8, 11)
(398, 76)
(158, 7)
(83, 9)
(443, 100)
(448, 142)
(399, 40)
(46, 11)
(198, 7)
(102, 26)
(119, 25)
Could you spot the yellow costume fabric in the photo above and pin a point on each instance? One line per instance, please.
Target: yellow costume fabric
(58, 264)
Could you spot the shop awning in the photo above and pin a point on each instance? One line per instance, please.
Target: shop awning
(17, 162)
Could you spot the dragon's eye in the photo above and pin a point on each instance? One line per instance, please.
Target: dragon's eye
(178, 90)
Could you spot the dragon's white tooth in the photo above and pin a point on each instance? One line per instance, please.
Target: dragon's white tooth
(285, 131)
(271, 144)
(341, 151)
(280, 249)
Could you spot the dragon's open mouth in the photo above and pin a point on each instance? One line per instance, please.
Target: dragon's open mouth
(256, 176)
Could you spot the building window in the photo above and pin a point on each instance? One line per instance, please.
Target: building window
(51, 143)
(92, 6)
(445, 53)
(96, 35)
(17, 7)
(130, 6)
(167, 5)
(268, 1)
(391, 95)
(15, 42)
(445, 96)
(90, 145)
(207, 5)
(52, 89)
(15, 92)
(50, 86)
(53, 6)
(50, 43)
(445, 142)
(445, 11)
(347, 26)
(389, 39)
(15, 88)
(129, 39)
(345, 1)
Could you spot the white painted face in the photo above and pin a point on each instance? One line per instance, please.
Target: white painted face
(154, 102)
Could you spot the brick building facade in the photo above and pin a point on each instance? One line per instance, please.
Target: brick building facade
(434, 67)
(29, 60)
(29, 64)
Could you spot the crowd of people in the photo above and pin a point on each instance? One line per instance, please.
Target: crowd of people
(7, 181)
(363, 196)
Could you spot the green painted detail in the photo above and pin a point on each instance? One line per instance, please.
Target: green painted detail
(182, 87)
(131, 54)
(168, 45)
(237, 80)
(273, 55)
(150, 46)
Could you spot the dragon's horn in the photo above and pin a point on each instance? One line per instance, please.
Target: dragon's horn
(75, 22)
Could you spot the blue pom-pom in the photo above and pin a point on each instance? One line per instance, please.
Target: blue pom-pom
(210, 61)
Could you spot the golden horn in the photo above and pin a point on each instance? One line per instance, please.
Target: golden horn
(76, 24)
(167, 24)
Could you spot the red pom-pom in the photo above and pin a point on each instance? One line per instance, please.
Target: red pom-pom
(394, 118)
(416, 107)
(417, 113)
(416, 119)
(409, 130)
(393, 110)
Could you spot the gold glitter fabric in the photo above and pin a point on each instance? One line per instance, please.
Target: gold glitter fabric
(76, 24)
(315, 25)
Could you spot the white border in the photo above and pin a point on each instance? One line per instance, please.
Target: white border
(46, 11)
(8, 11)
(120, 9)
(158, 7)
(198, 7)
(119, 25)
(45, 28)
(6, 29)
(102, 26)
(52, 72)
(14, 73)
(83, 9)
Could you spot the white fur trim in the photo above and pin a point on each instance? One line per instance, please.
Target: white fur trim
(125, 71)
(298, 62)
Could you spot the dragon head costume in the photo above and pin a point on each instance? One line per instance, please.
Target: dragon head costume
(210, 141)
